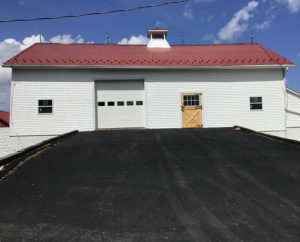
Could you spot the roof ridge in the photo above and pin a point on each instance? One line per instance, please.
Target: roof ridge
(104, 44)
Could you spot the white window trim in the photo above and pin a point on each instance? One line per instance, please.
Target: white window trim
(52, 106)
(262, 109)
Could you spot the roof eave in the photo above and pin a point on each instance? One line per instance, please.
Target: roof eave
(148, 67)
(293, 91)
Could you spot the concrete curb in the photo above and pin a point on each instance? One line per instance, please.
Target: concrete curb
(7, 159)
(269, 136)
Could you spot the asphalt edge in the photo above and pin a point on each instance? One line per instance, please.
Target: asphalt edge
(7, 159)
(269, 136)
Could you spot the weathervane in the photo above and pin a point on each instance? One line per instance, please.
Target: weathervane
(107, 38)
(252, 37)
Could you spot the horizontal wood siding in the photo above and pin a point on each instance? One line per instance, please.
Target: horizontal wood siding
(225, 95)
(293, 119)
(73, 100)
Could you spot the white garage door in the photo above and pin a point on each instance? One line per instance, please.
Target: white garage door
(120, 104)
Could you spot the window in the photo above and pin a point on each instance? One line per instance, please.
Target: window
(120, 103)
(101, 104)
(110, 103)
(191, 100)
(139, 103)
(129, 103)
(256, 103)
(45, 106)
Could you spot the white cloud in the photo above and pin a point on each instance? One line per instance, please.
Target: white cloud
(299, 55)
(238, 24)
(134, 40)
(28, 41)
(66, 39)
(293, 5)
(10, 48)
(188, 13)
(210, 37)
(21, 3)
(263, 25)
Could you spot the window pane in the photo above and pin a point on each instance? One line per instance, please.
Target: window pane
(197, 102)
(45, 109)
(255, 106)
(120, 103)
(139, 103)
(185, 103)
(110, 103)
(129, 103)
(101, 103)
(184, 98)
(45, 102)
(197, 97)
(255, 99)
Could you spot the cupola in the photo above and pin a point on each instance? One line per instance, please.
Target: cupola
(157, 38)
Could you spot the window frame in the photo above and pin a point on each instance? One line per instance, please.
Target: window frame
(191, 100)
(258, 102)
(41, 106)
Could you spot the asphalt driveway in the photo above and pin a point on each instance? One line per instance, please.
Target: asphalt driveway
(155, 185)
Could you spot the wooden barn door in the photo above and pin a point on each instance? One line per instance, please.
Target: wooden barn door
(191, 107)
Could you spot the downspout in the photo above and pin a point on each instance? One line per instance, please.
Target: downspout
(284, 71)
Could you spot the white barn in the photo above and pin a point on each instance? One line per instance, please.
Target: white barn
(57, 88)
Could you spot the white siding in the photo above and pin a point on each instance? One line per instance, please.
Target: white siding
(289, 133)
(10, 145)
(225, 98)
(73, 103)
(5, 143)
(293, 117)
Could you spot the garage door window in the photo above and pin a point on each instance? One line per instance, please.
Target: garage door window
(101, 104)
(139, 103)
(129, 103)
(110, 103)
(120, 103)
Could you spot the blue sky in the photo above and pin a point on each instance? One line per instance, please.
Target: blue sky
(275, 23)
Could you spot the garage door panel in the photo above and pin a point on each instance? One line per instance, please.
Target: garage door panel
(123, 98)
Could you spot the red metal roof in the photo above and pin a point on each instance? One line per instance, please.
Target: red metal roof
(46, 54)
(4, 119)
